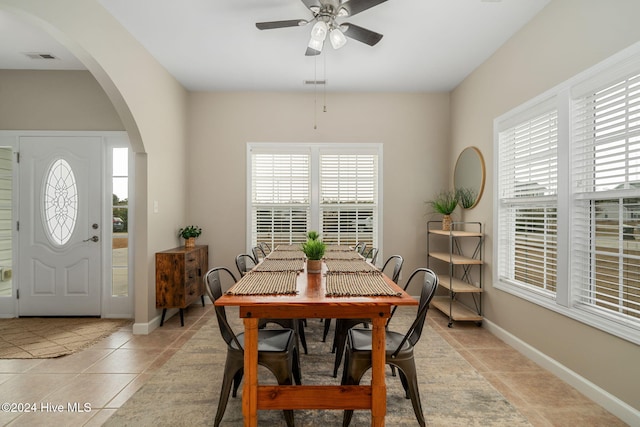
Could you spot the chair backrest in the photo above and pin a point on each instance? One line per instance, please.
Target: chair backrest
(397, 267)
(258, 253)
(429, 286)
(360, 247)
(265, 247)
(245, 263)
(371, 255)
(213, 288)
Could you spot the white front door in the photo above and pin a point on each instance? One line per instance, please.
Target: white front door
(60, 228)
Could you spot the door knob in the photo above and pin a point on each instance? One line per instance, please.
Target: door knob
(93, 239)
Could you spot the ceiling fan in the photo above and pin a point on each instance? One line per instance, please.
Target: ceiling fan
(325, 15)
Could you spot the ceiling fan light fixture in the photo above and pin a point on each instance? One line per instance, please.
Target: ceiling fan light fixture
(316, 44)
(337, 38)
(343, 12)
(319, 31)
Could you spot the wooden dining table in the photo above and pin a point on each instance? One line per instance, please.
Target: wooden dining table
(311, 301)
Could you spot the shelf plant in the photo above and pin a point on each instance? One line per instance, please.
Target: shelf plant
(189, 234)
(445, 203)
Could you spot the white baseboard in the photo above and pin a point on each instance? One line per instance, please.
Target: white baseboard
(617, 407)
(147, 328)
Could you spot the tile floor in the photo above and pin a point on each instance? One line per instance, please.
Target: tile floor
(105, 375)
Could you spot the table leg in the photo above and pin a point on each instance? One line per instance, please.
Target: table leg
(378, 386)
(250, 388)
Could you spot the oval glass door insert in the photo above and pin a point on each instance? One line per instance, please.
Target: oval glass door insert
(60, 201)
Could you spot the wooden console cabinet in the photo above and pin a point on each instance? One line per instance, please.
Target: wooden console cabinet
(179, 273)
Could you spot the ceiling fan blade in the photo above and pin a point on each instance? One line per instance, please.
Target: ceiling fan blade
(309, 3)
(356, 6)
(281, 24)
(361, 34)
(311, 52)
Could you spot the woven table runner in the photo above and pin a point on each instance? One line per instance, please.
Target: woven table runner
(286, 255)
(339, 248)
(342, 285)
(281, 265)
(288, 248)
(256, 283)
(343, 255)
(347, 266)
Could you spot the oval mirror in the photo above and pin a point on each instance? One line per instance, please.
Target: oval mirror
(468, 177)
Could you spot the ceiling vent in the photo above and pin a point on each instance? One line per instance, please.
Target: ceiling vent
(35, 55)
(315, 82)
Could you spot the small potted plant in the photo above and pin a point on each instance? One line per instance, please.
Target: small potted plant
(445, 203)
(189, 234)
(314, 250)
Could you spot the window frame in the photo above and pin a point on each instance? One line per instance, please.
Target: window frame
(315, 150)
(564, 97)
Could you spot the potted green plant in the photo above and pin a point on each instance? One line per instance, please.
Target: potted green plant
(189, 234)
(445, 203)
(314, 250)
(313, 235)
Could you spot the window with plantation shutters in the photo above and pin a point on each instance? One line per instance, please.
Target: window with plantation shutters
(348, 197)
(331, 188)
(528, 202)
(280, 197)
(567, 205)
(606, 218)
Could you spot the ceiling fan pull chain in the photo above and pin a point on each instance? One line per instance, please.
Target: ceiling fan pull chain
(315, 92)
(324, 109)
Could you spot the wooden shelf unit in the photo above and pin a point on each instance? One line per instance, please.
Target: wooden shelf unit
(455, 260)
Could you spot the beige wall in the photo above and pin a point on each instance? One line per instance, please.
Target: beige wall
(414, 129)
(567, 37)
(54, 100)
(151, 105)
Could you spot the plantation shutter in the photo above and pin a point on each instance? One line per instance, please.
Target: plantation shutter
(606, 212)
(349, 198)
(527, 189)
(280, 197)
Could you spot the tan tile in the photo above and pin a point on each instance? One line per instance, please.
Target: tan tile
(583, 416)
(115, 340)
(8, 366)
(470, 357)
(544, 390)
(125, 361)
(52, 417)
(475, 337)
(76, 362)
(159, 339)
(32, 387)
(94, 390)
(505, 360)
(6, 377)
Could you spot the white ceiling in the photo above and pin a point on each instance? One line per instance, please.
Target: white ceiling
(211, 45)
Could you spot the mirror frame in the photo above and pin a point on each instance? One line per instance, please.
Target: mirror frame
(481, 179)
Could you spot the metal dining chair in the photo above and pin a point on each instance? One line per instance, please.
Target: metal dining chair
(245, 263)
(277, 350)
(343, 325)
(258, 253)
(399, 349)
(371, 255)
